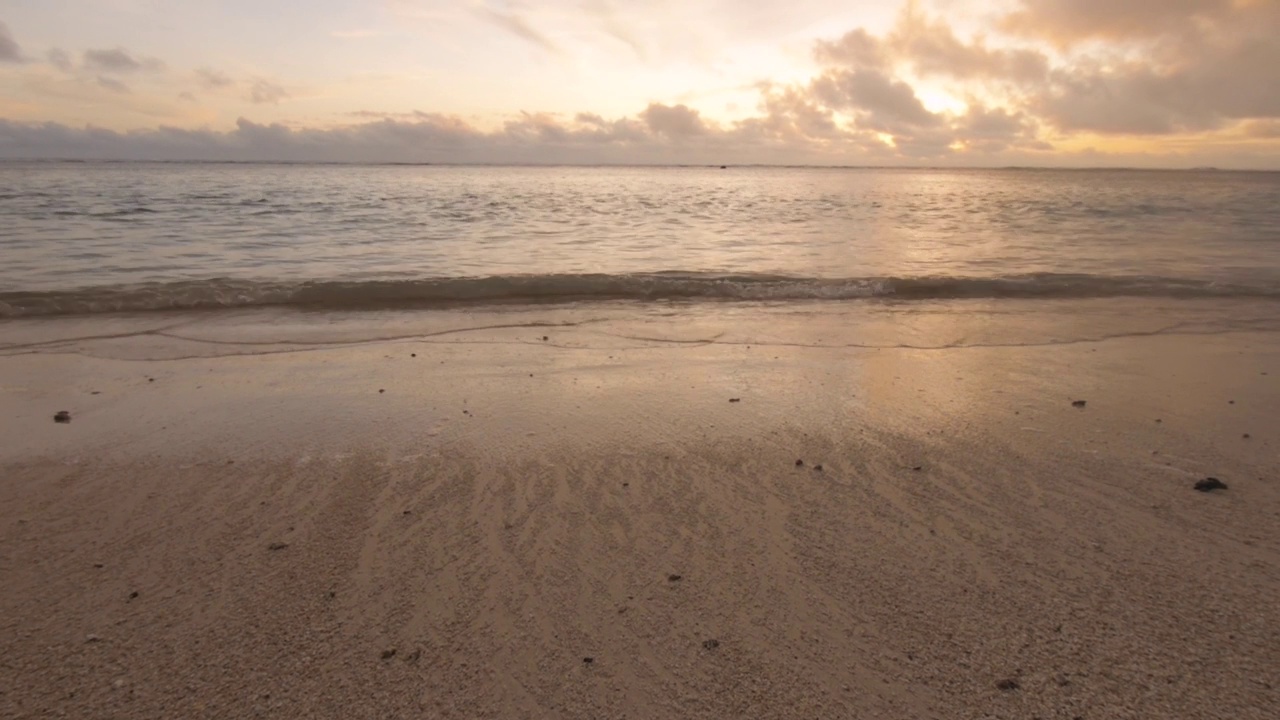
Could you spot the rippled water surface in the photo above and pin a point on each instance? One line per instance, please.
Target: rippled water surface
(69, 226)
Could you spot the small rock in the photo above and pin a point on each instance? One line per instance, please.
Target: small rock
(1078, 403)
(735, 399)
(711, 644)
(626, 484)
(381, 390)
(414, 656)
(545, 338)
(407, 512)
(917, 468)
(1008, 684)
(151, 379)
(332, 594)
(96, 392)
(675, 578)
(1209, 484)
(413, 354)
(1245, 436)
(818, 468)
(133, 595)
(1159, 420)
(388, 653)
(588, 660)
(92, 639)
(799, 463)
(1231, 402)
(277, 546)
(62, 416)
(98, 565)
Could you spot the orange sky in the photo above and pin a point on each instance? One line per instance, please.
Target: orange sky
(1167, 83)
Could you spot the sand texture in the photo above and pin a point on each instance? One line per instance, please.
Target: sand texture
(250, 520)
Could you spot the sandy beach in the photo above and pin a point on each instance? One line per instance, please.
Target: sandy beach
(704, 511)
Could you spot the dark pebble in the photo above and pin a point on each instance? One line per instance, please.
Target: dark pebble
(98, 565)
(1159, 420)
(413, 354)
(1231, 402)
(1209, 484)
(414, 656)
(62, 416)
(545, 338)
(133, 595)
(388, 654)
(675, 578)
(332, 594)
(918, 468)
(799, 463)
(711, 644)
(277, 546)
(1078, 403)
(151, 379)
(381, 390)
(626, 484)
(735, 399)
(96, 392)
(588, 660)
(1245, 436)
(1008, 684)
(407, 512)
(818, 468)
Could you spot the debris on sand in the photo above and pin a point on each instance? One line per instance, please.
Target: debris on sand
(1078, 403)
(381, 390)
(277, 546)
(133, 595)
(414, 656)
(799, 463)
(545, 338)
(388, 653)
(675, 578)
(62, 416)
(917, 468)
(735, 399)
(1210, 484)
(588, 659)
(711, 644)
(817, 468)
(1246, 436)
(1008, 684)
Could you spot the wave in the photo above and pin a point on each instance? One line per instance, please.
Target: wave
(440, 292)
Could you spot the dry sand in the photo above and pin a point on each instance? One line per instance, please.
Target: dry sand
(494, 509)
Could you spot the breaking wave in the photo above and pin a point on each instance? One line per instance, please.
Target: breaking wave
(445, 292)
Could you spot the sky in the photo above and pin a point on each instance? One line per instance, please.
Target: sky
(1076, 83)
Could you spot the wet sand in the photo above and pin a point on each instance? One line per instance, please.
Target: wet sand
(278, 515)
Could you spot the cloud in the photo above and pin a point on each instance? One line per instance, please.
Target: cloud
(118, 61)
(9, 49)
(932, 48)
(265, 92)
(113, 85)
(1212, 73)
(673, 121)
(518, 26)
(61, 60)
(882, 102)
(211, 79)
(857, 48)
(1066, 22)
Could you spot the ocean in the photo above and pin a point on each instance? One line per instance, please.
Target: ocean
(80, 238)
